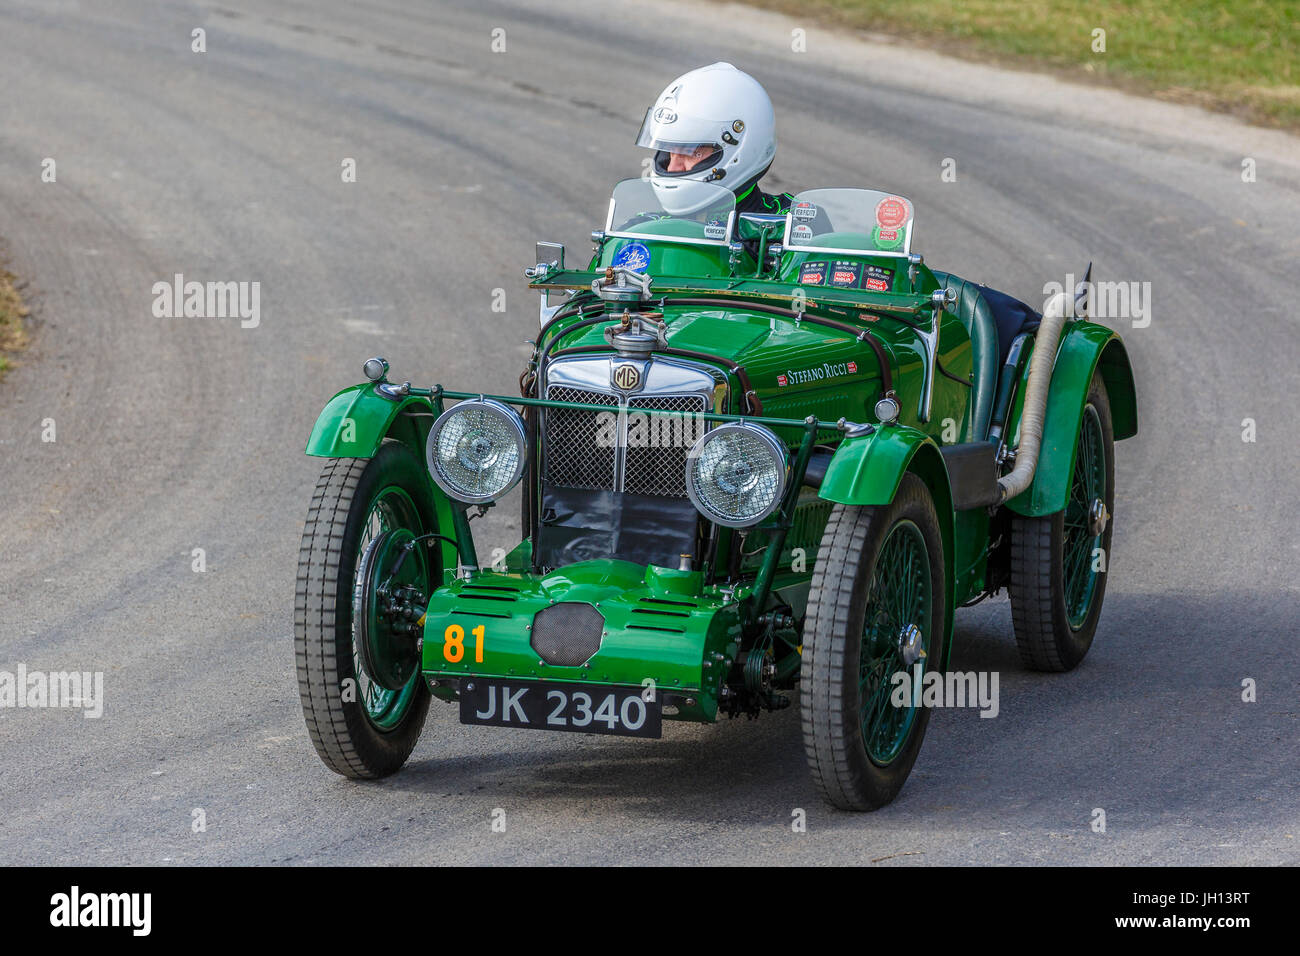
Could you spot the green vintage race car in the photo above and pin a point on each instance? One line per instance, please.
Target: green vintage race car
(757, 453)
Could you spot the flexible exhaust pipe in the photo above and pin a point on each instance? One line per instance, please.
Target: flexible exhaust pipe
(1059, 308)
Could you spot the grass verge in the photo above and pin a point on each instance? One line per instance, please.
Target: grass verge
(1241, 58)
(13, 329)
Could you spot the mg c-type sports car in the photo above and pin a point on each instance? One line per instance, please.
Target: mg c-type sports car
(757, 454)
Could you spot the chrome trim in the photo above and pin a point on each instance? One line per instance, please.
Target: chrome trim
(768, 438)
(661, 378)
(513, 420)
(911, 644)
(940, 300)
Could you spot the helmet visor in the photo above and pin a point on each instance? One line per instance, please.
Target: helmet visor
(680, 155)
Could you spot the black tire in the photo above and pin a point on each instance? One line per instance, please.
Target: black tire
(830, 699)
(347, 739)
(1045, 635)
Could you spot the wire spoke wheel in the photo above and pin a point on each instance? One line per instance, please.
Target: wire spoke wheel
(391, 511)
(900, 595)
(1082, 539)
(1059, 562)
(875, 610)
(363, 698)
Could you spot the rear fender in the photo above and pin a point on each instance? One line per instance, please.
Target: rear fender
(1085, 348)
(868, 470)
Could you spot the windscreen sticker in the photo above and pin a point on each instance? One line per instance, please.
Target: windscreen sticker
(888, 239)
(804, 210)
(812, 273)
(634, 256)
(877, 278)
(846, 274)
(715, 229)
(891, 212)
(801, 233)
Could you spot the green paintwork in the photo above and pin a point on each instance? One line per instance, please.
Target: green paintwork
(356, 420)
(668, 258)
(1083, 347)
(867, 470)
(828, 374)
(660, 625)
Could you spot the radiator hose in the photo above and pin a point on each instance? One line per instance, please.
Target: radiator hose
(1059, 308)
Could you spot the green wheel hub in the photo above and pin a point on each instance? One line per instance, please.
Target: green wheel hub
(896, 638)
(1085, 522)
(392, 580)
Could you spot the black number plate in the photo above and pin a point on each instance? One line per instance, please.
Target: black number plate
(583, 708)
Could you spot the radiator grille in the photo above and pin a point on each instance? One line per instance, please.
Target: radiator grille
(579, 452)
(574, 456)
(659, 467)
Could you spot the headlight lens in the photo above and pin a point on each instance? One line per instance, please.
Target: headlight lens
(476, 450)
(735, 474)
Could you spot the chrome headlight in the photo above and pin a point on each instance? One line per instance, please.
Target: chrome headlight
(735, 474)
(476, 450)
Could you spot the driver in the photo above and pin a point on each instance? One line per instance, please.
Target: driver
(716, 125)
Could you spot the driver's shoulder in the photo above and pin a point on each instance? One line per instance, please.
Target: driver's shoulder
(777, 202)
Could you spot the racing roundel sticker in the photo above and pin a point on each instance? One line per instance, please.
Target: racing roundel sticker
(801, 233)
(891, 212)
(634, 256)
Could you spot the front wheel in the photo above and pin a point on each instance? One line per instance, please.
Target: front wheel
(354, 637)
(876, 621)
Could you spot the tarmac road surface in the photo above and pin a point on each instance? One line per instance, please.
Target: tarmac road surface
(175, 434)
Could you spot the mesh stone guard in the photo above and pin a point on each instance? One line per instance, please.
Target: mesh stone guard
(567, 634)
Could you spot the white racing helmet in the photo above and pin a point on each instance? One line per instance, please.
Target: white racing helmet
(719, 116)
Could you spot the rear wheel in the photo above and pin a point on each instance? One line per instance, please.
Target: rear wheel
(362, 579)
(875, 610)
(1058, 562)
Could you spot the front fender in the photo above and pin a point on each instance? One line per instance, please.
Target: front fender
(868, 471)
(357, 419)
(1085, 348)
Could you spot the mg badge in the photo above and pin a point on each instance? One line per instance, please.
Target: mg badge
(627, 376)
